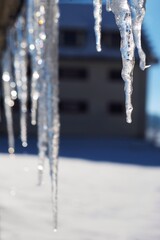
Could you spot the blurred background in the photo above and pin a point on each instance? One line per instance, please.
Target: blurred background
(91, 88)
(109, 170)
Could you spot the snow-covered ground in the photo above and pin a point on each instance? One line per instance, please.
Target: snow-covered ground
(97, 201)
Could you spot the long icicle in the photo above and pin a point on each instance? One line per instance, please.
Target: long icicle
(31, 35)
(123, 19)
(36, 14)
(108, 5)
(8, 102)
(42, 129)
(42, 104)
(20, 64)
(53, 98)
(37, 36)
(97, 4)
(138, 11)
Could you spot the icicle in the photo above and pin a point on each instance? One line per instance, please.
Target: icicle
(138, 12)
(37, 36)
(108, 5)
(42, 129)
(122, 14)
(36, 15)
(8, 102)
(52, 98)
(31, 34)
(42, 105)
(40, 40)
(20, 65)
(98, 19)
(13, 93)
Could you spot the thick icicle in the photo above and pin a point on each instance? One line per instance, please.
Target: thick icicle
(123, 19)
(53, 98)
(8, 102)
(138, 11)
(41, 43)
(98, 19)
(36, 13)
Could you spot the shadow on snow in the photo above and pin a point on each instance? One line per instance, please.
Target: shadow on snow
(125, 151)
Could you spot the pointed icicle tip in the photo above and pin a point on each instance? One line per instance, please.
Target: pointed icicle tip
(11, 150)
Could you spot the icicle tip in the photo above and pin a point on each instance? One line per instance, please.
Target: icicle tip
(99, 49)
(129, 120)
(147, 66)
(11, 150)
(33, 122)
(24, 144)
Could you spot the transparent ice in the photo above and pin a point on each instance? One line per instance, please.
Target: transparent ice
(98, 19)
(8, 102)
(43, 46)
(129, 16)
(33, 41)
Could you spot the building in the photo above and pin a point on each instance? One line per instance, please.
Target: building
(8, 13)
(91, 87)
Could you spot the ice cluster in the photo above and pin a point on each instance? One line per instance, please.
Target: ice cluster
(33, 40)
(129, 16)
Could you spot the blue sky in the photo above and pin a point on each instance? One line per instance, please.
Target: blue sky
(152, 25)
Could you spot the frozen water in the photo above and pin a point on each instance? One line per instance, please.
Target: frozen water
(44, 87)
(123, 19)
(53, 124)
(35, 34)
(129, 15)
(137, 12)
(20, 66)
(8, 102)
(98, 19)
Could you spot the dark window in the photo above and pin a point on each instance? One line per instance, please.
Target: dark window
(115, 75)
(116, 108)
(70, 73)
(111, 40)
(73, 106)
(1, 104)
(72, 38)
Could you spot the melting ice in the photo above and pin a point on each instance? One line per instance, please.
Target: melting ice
(38, 19)
(98, 19)
(35, 34)
(129, 16)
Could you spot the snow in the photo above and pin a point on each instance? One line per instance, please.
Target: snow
(97, 200)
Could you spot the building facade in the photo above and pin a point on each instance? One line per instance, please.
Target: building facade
(92, 99)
